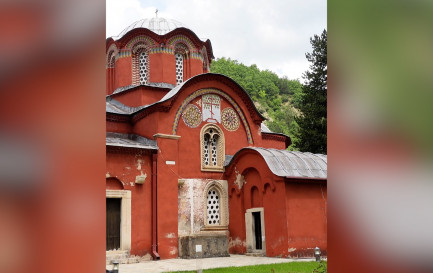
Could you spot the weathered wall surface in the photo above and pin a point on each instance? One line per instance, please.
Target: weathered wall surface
(306, 217)
(192, 205)
(122, 172)
(295, 211)
(192, 231)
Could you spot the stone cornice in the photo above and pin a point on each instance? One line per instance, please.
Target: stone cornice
(159, 135)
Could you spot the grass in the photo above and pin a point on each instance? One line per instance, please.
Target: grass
(292, 267)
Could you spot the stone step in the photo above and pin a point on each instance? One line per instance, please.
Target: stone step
(255, 254)
(125, 258)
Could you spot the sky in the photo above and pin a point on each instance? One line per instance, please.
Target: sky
(273, 34)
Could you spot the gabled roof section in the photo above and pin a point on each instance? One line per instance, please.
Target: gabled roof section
(129, 141)
(290, 164)
(116, 107)
(268, 134)
(136, 113)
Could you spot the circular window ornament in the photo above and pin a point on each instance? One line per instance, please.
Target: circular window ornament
(230, 119)
(191, 116)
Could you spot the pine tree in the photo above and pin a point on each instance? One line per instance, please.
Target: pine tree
(312, 123)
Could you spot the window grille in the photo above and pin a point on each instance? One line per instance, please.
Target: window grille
(143, 67)
(179, 68)
(213, 207)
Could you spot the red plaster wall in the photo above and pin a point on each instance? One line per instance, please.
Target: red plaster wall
(272, 143)
(189, 143)
(147, 127)
(118, 127)
(123, 72)
(295, 213)
(167, 191)
(306, 217)
(236, 222)
(162, 68)
(275, 220)
(124, 167)
(196, 67)
(140, 96)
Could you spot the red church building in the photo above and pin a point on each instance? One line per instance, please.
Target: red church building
(192, 171)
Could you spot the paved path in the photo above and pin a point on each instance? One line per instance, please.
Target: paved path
(196, 264)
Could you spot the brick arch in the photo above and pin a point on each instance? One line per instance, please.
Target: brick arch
(181, 39)
(140, 39)
(212, 91)
(137, 49)
(112, 51)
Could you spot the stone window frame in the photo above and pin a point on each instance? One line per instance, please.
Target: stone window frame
(136, 52)
(125, 217)
(223, 213)
(220, 148)
(249, 231)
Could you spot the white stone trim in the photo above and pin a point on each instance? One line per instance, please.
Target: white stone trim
(125, 216)
(249, 229)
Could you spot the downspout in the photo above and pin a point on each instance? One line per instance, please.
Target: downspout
(155, 254)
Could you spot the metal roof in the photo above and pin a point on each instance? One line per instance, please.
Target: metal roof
(129, 141)
(292, 164)
(114, 106)
(265, 128)
(159, 25)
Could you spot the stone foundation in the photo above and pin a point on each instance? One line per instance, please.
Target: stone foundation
(211, 246)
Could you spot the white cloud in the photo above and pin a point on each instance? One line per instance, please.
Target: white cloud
(272, 34)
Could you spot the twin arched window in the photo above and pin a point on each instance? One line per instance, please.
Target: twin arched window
(212, 148)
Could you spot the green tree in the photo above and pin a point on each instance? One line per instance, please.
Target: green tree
(312, 122)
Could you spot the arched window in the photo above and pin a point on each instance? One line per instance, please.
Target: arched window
(180, 52)
(111, 72)
(212, 148)
(213, 207)
(179, 68)
(140, 64)
(143, 60)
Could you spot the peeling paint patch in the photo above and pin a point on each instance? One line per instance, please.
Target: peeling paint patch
(173, 251)
(139, 162)
(291, 249)
(170, 235)
(236, 242)
(140, 179)
(240, 180)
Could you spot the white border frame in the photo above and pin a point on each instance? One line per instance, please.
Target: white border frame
(125, 216)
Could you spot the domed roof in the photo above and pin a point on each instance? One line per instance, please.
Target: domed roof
(160, 26)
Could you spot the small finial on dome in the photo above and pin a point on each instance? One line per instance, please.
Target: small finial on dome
(156, 13)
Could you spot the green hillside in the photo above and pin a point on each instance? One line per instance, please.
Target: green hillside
(276, 98)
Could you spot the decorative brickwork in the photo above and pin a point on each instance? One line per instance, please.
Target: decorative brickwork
(220, 93)
(230, 119)
(191, 116)
(140, 64)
